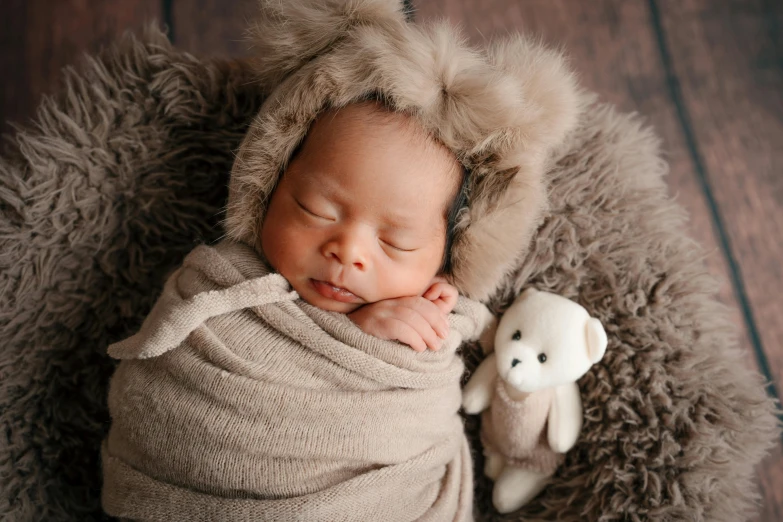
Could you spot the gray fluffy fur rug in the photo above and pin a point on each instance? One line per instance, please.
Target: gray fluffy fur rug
(126, 171)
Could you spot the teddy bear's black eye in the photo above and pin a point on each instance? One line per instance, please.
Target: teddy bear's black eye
(542, 358)
(517, 336)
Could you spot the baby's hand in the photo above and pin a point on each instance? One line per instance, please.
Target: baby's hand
(419, 322)
(442, 294)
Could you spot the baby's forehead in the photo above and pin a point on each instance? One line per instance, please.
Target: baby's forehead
(370, 126)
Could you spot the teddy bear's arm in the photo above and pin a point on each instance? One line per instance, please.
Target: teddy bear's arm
(565, 418)
(478, 391)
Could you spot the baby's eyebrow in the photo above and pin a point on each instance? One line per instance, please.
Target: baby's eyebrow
(406, 221)
(398, 221)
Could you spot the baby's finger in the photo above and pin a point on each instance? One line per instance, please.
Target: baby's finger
(432, 293)
(399, 330)
(443, 295)
(425, 330)
(448, 297)
(431, 312)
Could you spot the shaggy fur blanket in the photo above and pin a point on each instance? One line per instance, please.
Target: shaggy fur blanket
(126, 172)
(238, 401)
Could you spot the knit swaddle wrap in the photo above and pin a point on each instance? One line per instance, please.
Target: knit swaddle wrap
(236, 401)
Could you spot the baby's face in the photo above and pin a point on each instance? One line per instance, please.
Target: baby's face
(359, 216)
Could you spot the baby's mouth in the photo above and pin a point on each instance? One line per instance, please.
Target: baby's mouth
(335, 293)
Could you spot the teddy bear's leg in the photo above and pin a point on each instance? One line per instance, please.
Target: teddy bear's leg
(493, 464)
(515, 487)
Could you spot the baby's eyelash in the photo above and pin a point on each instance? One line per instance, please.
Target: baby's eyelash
(396, 247)
(309, 211)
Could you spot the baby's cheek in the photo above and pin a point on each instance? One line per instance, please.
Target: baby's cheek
(280, 248)
(296, 252)
(409, 281)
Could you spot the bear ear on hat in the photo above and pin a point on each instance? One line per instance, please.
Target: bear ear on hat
(286, 34)
(504, 210)
(550, 96)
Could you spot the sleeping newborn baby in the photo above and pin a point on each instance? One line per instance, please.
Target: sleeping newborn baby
(358, 223)
(357, 228)
(306, 367)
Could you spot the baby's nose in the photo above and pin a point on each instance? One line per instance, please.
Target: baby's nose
(348, 252)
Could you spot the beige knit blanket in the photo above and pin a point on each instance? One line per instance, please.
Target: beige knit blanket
(238, 401)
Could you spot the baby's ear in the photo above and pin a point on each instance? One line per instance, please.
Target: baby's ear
(286, 34)
(548, 89)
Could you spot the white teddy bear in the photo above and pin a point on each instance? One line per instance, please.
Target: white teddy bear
(532, 413)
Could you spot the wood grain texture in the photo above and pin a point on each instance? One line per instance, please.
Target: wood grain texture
(213, 27)
(46, 35)
(728, 59)
(613, 46)
(12, 63)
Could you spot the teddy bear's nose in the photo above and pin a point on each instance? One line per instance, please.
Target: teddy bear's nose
(514, 362)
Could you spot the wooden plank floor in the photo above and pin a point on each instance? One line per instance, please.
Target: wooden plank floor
(707, 74)
(40, 37)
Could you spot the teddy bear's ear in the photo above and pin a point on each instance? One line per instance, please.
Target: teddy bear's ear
(286, 34)
(596, 340)
(527, 293)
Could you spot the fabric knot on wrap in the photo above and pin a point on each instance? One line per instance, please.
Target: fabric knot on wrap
(238, 401)
(172, 320)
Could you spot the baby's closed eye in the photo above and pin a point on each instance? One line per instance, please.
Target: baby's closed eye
(394, 245)
(320, 214)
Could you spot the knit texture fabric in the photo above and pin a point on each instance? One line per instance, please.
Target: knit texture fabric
(237, 402)
(517, 429)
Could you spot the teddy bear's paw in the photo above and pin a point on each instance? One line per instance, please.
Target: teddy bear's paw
(474, 401)
(515, 487)
(493, 465)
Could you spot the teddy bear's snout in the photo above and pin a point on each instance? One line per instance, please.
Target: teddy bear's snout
(514, 362)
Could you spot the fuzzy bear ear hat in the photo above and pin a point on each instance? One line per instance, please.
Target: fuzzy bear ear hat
(500, 110)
